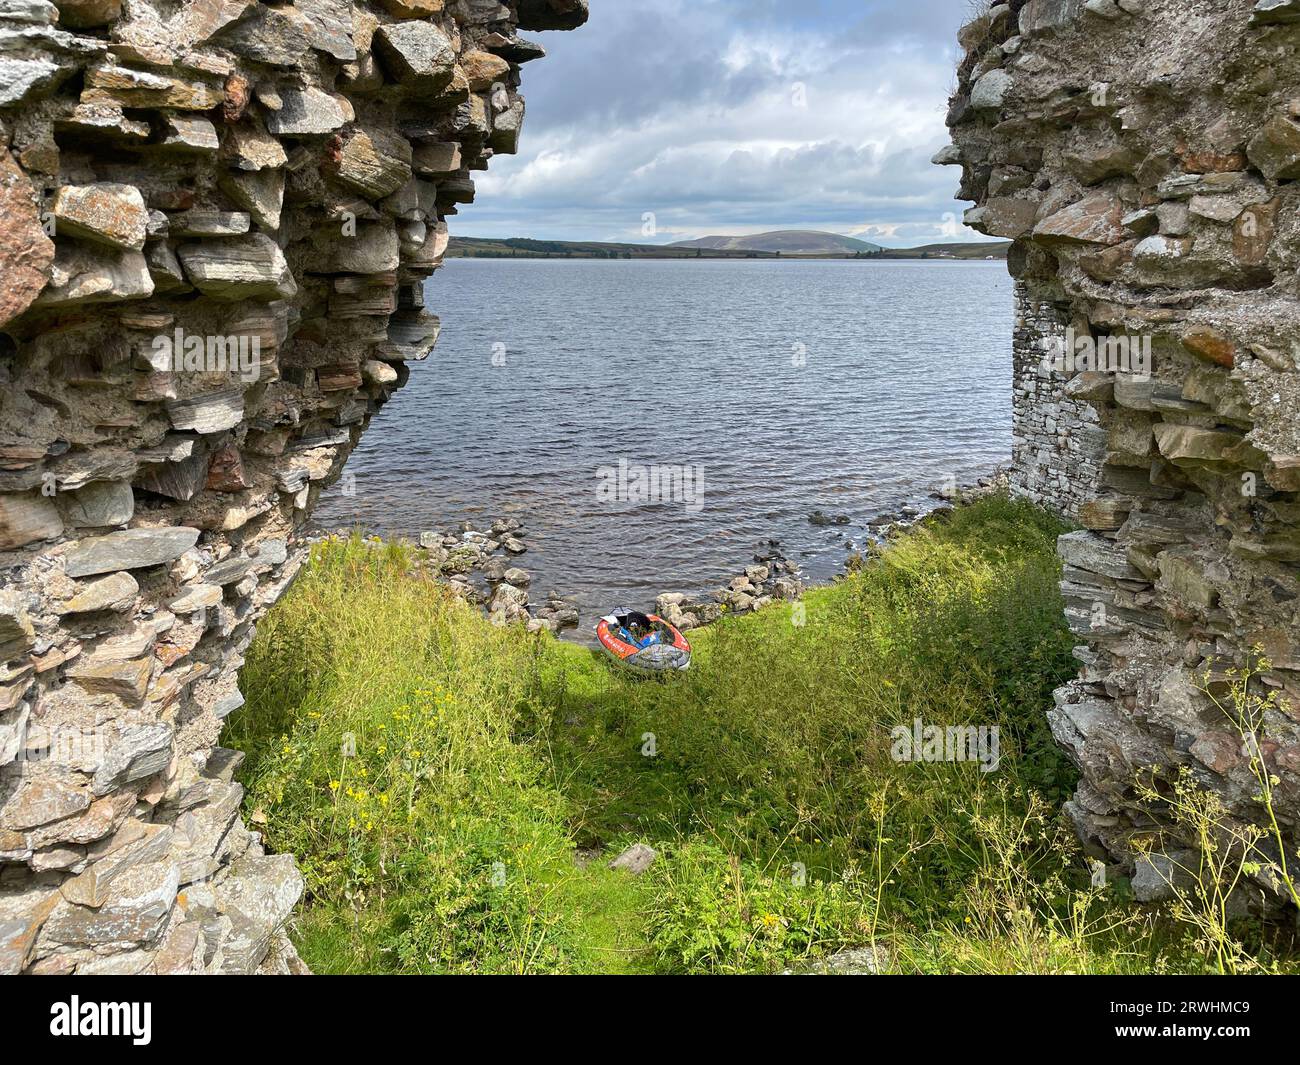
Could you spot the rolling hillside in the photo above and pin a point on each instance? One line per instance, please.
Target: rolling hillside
(785, 242)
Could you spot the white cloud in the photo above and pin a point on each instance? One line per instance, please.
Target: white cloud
(728, 116)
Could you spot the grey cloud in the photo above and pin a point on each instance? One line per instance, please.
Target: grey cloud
(688, 109)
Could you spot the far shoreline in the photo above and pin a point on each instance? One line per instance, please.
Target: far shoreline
(523, 248)
(735, 258)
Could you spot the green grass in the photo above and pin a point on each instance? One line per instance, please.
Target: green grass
(435, 776)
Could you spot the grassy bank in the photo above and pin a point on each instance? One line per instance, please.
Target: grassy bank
(436, 775)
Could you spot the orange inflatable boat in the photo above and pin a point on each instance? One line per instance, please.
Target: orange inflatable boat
(643, 643)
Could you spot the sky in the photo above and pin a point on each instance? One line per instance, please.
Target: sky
(664, 120)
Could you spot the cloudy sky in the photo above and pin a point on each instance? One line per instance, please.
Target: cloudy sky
(734, 116)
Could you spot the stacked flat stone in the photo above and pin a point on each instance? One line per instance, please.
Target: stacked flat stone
(230, 171)
(1142, 154)
(1057, 441)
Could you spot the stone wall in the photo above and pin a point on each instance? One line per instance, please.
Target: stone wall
(1058, 443)
(1143, 155)
(217, 218)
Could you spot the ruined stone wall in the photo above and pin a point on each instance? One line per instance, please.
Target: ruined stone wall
(1058, 443)
(1143, 155)
(216, 219)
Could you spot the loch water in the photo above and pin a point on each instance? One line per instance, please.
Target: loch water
(777, 387)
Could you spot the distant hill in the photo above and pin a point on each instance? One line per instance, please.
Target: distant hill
(525, 248)
(785, 241)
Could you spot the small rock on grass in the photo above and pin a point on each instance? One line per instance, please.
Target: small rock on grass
(859, 961)
(636, 859)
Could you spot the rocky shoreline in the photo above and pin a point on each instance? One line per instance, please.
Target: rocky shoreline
(774, 578)
(482, 565)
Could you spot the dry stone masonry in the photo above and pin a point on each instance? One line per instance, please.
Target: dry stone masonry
(217, 217)
(1058, 442)
(1143, 155)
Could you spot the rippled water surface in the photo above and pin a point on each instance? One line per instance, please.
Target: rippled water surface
(905, 381)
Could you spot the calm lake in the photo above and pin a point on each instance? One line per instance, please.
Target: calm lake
(786, 386)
